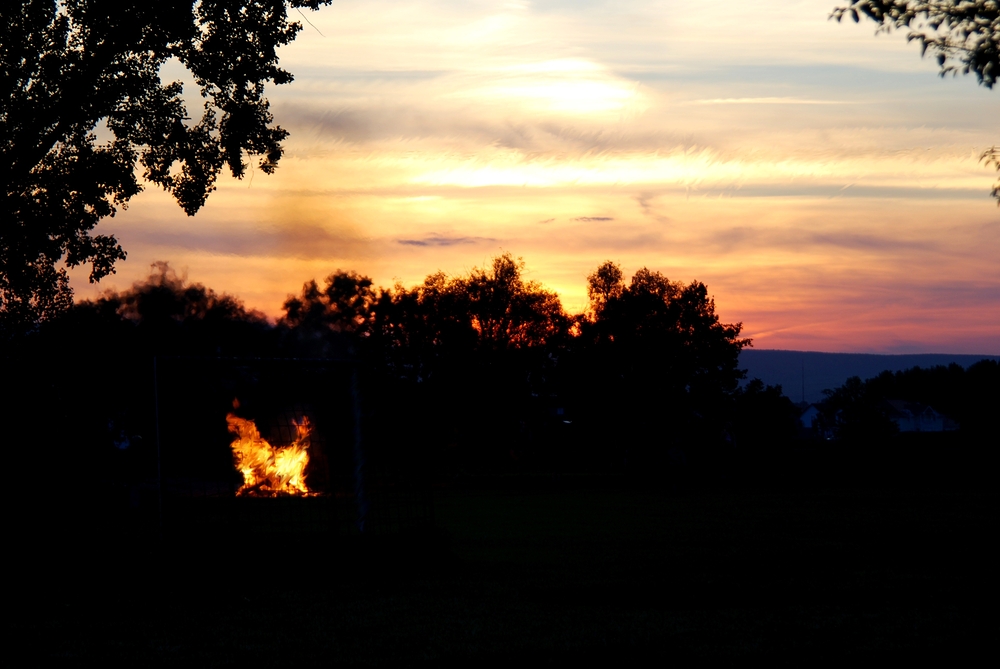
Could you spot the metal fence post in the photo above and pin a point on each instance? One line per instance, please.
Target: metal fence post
(360, 496)
(159, 456)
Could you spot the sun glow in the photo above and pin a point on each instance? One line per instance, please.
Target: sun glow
(565, 87)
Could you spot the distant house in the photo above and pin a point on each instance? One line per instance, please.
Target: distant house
(810, 425)
(916, 417)
(808, 417)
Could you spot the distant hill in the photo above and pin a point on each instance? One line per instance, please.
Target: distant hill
(829, 370)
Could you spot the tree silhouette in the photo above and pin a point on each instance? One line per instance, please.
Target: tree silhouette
(78, 70)
(764, 429)
(653, 366)
(664, 328)
(856, 410)
(424, 330)
(464, 360)
(507, 311)
(963, 36)
(331, 321)
(991, 156)
(493, 313)
(166, 315)
(344, 304)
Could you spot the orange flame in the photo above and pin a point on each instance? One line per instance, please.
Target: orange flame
(269, 471)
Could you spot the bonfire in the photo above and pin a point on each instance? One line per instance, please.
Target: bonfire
(269, 471)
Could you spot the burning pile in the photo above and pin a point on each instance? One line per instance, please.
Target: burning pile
(269, 471)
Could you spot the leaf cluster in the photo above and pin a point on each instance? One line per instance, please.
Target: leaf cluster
(963, 35)
(991, 156)
(84, 112)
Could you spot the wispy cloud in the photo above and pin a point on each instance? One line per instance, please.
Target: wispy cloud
(442, 240)
(301, 241)
(744, 239)
(766, 101)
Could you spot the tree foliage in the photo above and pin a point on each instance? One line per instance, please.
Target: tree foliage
(857, 410)
(457, 357)
(84, 110)
(962, 35)
(508, 312)
(991, 156)
(764, 421)
(344, 304)
(654, 326)
(491, 311)
(165, 314)
(654, 368)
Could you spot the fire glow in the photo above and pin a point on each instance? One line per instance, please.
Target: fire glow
(269, 471)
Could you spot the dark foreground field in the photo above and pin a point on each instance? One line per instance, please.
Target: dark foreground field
(588, 575)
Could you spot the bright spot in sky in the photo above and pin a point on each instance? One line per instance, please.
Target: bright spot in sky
(565, 86)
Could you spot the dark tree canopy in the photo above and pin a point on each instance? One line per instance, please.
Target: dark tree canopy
(454, 362)
(165, 315)
(654, 368)
(74, 68)
(962, 35)
(344, 304)
(492, 310)
(857, 410)
(165, 297)
(491, 314)
(507, 311)
(666, 329)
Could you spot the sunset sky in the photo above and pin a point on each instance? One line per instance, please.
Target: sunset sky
(822, 181)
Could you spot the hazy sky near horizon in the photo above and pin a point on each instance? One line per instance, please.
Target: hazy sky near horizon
(823, 182)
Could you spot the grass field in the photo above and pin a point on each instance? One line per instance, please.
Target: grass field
(589, 576)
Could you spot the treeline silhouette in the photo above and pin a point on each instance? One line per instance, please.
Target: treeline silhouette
(859, 409)
(473, 375)
(856, 418)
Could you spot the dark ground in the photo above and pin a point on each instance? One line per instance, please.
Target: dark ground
(572, 572)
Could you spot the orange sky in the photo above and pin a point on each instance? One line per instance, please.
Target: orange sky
(821, 181)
